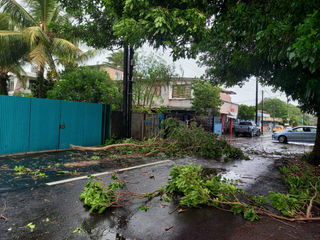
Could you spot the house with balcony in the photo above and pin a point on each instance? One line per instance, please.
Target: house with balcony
(179, 96)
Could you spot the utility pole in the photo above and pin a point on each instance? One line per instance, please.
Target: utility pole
(256, 102)
(127, 91)
(125, 94)
(262, 114)
(288, 119)
(131, 63)
(273, 115)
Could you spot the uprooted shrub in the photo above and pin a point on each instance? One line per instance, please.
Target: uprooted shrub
(196, 191)
(180, 140)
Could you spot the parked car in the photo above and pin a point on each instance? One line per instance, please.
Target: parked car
(227, 126)
(247, 128)
(288, 128)
(278, 128)
(297, 134)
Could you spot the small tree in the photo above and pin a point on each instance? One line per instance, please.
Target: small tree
(246, 112)
(151, 73)
(85, 85)
(206, 97)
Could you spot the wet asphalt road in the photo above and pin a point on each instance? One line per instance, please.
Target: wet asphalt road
(61, 205)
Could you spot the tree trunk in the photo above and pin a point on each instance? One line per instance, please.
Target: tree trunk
(314, 157)
(3, 84)
(41, 77)
(18, 86)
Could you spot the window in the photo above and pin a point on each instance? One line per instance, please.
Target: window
(298, 130)
(118, 76)
(181, 91)
(313, 129)
(11, 86)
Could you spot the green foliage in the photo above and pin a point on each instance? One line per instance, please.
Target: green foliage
(246, 112)
(95, 158)
(20, 169)
(98, 196)
(47, 86)
(139, 22)
(23, 94)
(196, 190)
(116, 59)
(78, 230)
(85, 85)
(151, 74)
(30, 225)
(206, 97)
(305, 156)
(180, 140)
(144, 208)
(23, 170)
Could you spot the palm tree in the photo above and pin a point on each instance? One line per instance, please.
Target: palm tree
(32, 25)
(13, 51)
(116, 59)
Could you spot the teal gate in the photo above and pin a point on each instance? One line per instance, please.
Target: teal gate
(31, 124)
(217, 125)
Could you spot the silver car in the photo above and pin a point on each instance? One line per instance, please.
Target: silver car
(297, 134)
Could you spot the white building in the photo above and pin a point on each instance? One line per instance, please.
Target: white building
(180, 96)
(16, 86)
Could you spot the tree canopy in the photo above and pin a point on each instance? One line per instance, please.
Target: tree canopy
(206, 97)
(85, 85)
(178, 24)
(277, 41)
(31, 23)
(246, 112)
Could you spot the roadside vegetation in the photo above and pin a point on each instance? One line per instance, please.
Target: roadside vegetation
(176, 140)
(193, 189)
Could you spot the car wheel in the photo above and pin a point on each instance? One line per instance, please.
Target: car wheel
(282, 139)
(237, 134)
(251, 134)
(258, 133)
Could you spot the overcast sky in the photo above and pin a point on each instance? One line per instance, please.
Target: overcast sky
(245, 95)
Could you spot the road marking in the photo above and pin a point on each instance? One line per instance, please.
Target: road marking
(104, 173)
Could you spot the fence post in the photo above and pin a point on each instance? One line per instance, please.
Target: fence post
(108, 122)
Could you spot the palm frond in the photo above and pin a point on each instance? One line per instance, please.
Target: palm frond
(64, 49)
(4, 21)
(40, 56)
(35, 35)
(18, 70)
(17, 13)
(37, 56)
(37, 8)
(12, 47)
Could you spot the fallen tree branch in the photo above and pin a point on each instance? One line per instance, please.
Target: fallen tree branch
(108, 147)
(4, 209)
(310, 204)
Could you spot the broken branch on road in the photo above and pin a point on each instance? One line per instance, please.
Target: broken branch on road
(4, 209)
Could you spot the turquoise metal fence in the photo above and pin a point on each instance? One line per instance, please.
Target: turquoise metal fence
(30, 124)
